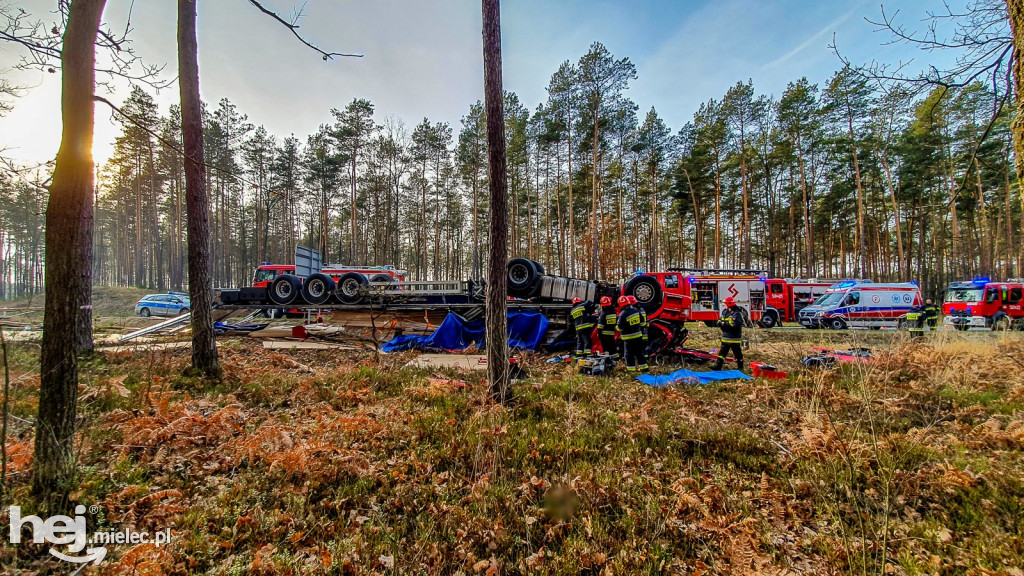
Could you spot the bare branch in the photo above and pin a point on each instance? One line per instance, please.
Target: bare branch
(294, 28)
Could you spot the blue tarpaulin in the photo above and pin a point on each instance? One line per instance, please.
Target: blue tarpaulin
(525, 330)
(691, 377)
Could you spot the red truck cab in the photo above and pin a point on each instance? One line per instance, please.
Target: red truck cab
(982, 303)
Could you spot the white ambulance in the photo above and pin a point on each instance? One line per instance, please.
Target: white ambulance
(856, 304)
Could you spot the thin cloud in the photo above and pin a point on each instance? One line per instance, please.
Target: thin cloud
(830, 27)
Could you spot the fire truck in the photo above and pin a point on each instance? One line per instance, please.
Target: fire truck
(982, 303)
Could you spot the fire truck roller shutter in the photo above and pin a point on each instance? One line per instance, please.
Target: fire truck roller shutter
(769, 319)
(284, 289)
(348, 287)
(647, 291)
(523, 276)
(318, 288)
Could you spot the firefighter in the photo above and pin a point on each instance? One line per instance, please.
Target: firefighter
(607, 321)
(583, 320)
(915, 321)
(931, 313)
(731, 323)
(630, 325)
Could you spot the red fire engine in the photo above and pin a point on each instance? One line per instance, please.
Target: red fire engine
(982, 303)
(681, 294)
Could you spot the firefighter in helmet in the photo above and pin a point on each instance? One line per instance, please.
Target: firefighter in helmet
(915, 321)
(731, 323)
(931, 313)
(607, 320)
(631, 333)
(583, 319)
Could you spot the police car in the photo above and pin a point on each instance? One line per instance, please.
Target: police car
(170, 304)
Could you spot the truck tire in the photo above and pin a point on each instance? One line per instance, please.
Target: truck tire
(647, 291)
(284, 289)
(769, 319)
(522, 276)
(317, 289)
(539, 266)
(383, 278)
(348, 289)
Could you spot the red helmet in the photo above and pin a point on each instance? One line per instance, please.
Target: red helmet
(576, 300)
(606, 300)
(632, 299)
(730, 301)
(623, 300)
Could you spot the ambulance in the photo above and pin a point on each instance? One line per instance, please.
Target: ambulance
(857, 304)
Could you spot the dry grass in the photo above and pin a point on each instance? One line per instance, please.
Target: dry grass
(910, 465)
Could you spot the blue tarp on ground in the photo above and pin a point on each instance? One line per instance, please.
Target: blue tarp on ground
(525, 330)
(690, 377)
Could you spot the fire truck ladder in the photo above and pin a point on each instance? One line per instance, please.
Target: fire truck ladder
(718, 271)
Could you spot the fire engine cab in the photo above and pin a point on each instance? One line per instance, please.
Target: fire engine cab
(982, 303)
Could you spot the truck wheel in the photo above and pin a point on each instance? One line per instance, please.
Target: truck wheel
(383, 278)
(522, 274)
(317, 288)
(837, 324)
(647, 291)
(769, 319)
(284, 289)
(145, 313)
(349, 288)
(539, 267)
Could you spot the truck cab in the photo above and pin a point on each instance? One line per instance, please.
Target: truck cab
(681, 294)
(984, 304)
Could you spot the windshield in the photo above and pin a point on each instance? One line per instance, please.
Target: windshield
(829, 299)
(265, 275)
(964, 294)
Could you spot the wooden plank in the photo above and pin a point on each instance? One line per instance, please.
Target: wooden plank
(462, 361)
(305, 345)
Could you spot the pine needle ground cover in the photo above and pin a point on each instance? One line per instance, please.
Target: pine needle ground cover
(324, 462)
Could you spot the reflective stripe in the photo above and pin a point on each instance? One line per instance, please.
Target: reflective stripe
(607, 332)
(631, 336)
(584, 326)
(724, 341)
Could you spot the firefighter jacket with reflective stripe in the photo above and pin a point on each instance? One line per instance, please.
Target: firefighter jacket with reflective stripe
(582, 315)
(731, 324)
(631, 321)
(931, 311)
(644, 323)
(608, 321)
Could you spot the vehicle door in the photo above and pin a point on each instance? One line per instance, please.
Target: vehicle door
(1014, 307)
(851, 302)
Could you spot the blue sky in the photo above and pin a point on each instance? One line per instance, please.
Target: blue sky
(423, 58)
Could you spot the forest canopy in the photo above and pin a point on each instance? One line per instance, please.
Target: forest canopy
(849, 178)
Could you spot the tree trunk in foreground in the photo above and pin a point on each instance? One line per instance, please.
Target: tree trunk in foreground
(200, 287)
(68, 264)
(497, 336)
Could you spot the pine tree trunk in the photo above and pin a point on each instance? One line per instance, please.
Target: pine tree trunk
(68, 262)
(497, 338)
(200, 286)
